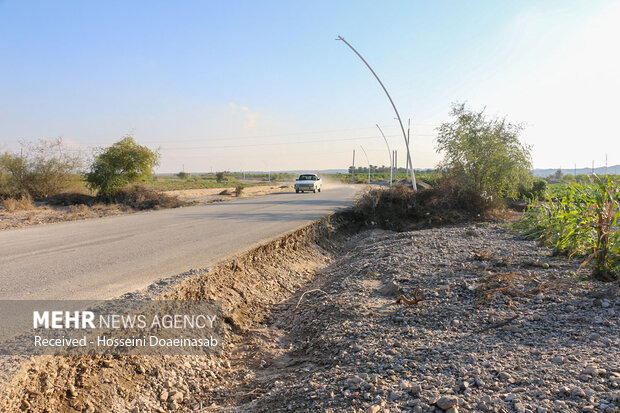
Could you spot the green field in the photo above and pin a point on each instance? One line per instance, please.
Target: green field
(362, 176)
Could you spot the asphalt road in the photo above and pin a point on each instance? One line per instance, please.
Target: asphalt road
(106, 257)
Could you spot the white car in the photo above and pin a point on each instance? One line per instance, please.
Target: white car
(308, 182)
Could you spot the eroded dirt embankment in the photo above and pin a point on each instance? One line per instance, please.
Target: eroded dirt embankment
(249, 287)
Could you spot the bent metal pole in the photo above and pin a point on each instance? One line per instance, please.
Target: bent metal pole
(366, 161)
(402, 128)
(389, 154)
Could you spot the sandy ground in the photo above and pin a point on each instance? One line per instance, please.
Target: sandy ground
(45, 214)
(42, 213)
(204, 196)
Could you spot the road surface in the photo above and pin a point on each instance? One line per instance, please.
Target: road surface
(105, 257)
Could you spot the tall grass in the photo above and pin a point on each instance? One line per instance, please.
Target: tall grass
(16, 204)
(581, 222)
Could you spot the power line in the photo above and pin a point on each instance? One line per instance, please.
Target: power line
(95, 147)
(215, 138)
(223, 138)
(272, 143)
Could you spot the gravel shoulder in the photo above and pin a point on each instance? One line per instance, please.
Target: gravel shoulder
(356, 349)
(501, 327)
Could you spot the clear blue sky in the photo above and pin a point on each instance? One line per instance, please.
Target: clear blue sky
(264, 85)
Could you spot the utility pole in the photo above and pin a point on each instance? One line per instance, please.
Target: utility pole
(364, 150)
(402, 128)
(389, 155)
(407, 143)
(353, 169)
(395, 157)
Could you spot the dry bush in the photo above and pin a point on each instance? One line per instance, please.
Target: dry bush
(238, 190)
(40, 169)
(140, 197)
(102, 209)
(10, 204)
(24, 203)
(400, 208)
(483, 255)
(80, 209)
(225, 192)
(494, 286)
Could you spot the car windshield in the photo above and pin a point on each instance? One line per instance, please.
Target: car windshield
(307, 178)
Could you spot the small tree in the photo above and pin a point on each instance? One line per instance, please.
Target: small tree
(557, 174)
(220, 177)
(485, 155)
(121, 164)
(183, 175)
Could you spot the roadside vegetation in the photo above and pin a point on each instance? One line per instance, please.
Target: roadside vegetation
(119, 165)
(49, 181)
(23, 203)
(44, 182)
(484, 165)
(39, 169)
(484, 155)
(580, 221)
(485, 168)
(359, 175)
(400, 208)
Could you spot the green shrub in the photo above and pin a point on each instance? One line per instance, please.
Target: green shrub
(123, 163)
(221, 177)
(536, 191)
(484, 155)
(539, 189)
(432, 178)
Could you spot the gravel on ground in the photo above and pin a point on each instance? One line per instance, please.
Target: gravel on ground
(465, 318)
